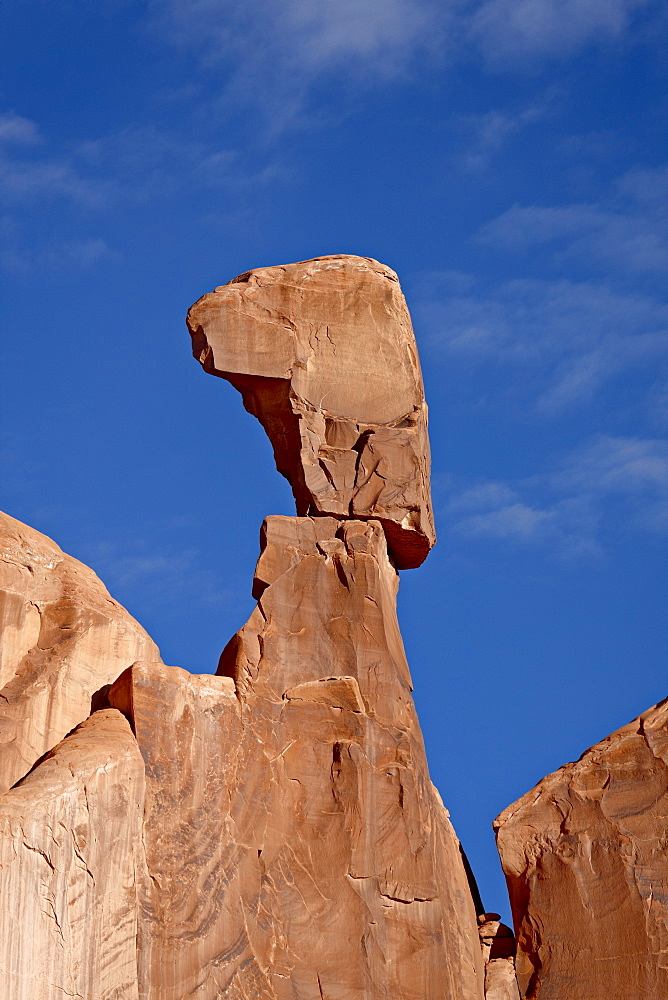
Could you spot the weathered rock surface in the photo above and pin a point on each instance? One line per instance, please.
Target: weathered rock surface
(71, 862)
(324, 355)
(295, 845)
(586, 859)
(63, 638)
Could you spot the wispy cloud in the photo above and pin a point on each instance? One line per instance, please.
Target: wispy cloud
(162, 575)
(17, 254)
(18, 131)
(620, 483)
(272, 59)
(588, 235)
(572, 337)
(134, 166)
(485, 134)
(603, 314)
(627, 232)
(510, 31)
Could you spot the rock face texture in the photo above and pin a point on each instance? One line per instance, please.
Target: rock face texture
(586, 859)
(63, 638)
(71, 862)
(324, 355)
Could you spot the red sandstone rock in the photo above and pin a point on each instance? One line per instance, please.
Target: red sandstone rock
(63, 638)
(71, 862)
(294, 842)
(586, 860)
(324, 355)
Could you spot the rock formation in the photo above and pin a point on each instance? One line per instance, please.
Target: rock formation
(63, 639)
(324, 355)
(586, 859)
(269, 832)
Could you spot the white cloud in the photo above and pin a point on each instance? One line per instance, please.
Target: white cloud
(584, 234)
(516, 30)
(164, 577)
(19, 131)
(618, 484)
(132, 166)
(627, 467)
(627, 232)
(306, 36)
(485, 134)
(30, 181)
(570, 337)
(270, 58)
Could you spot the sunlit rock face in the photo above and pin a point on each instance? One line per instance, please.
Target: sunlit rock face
(586, 859)
(63, 639)
(324, 355)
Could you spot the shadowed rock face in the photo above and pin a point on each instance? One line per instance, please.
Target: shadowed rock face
(324, 355)
(63, 638)
(586, 860)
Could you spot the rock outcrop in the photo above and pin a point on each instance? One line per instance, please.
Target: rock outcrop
(324, 355)
(271, 832)
(63, 639)
(586, 860)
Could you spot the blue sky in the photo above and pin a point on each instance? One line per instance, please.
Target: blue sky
(508, 159)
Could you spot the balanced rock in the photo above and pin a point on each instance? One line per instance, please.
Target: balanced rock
(63, 639)
(586, 861)
(324, 355)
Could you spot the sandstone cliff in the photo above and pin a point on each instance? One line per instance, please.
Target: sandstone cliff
(586, 859)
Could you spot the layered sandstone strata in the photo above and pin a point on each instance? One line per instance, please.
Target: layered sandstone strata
(586, 859)
(324, 355)
(63, 639)
(295, 845)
